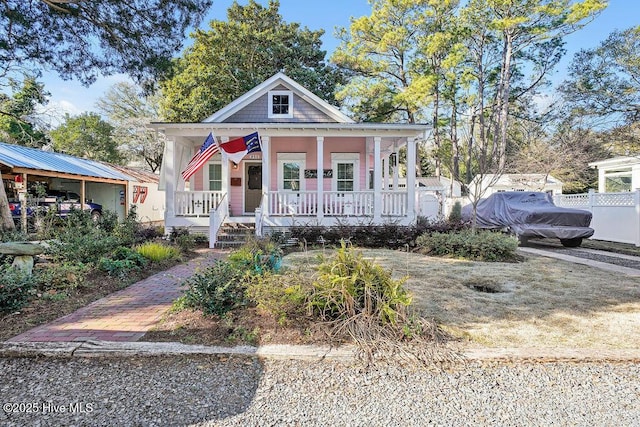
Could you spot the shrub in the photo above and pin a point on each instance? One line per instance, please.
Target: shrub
(81, 245)
(283, 296)
(257, 256)
(478, 245)
(349, 285)
(157, 252)
(61, 277)
(390, 235)
(456, 212)
(16, 288)
(216, 290)
(122, 261)
(182, 238)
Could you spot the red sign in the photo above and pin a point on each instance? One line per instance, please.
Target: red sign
(139, 194)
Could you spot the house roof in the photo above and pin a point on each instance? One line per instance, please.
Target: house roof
(616, 162)
(17, 156)
(511, 179)
(270, 84)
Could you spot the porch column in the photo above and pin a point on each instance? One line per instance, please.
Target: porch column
(396, 172)
(224, 170)
(385, 168)
(266, 175)
(320, 179)
(367, 166)
(377, 180)
(411, 178)
(170, 178)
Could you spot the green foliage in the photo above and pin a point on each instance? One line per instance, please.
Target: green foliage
(78, 245)
(183, 238)
(260, 44)
(16, 288)
(476, 245)
(603, 81)
(282, 295)
(122, 261)
(82, 40)
(390, 235)
(66, 276)
(349, 285)
(221, 288)
(257, 256)
(456, 212)
(216, 290)
(88, 136)
(17, 125)
(157, 252)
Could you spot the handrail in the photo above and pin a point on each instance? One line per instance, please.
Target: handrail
(216, 219)
(260, 213)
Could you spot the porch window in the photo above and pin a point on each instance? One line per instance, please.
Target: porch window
(345, 176)
(345, 171)
(215, 177)
(280, 104)
(290, 171)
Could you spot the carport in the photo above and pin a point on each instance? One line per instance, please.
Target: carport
(21, 166)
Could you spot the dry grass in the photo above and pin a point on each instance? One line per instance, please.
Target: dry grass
(539, 302)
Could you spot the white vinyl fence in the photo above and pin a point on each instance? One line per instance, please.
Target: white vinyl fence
(616, 216)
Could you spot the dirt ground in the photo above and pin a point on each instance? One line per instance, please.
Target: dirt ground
(538, 302)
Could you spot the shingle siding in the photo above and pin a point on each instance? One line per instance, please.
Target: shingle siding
(257, 112)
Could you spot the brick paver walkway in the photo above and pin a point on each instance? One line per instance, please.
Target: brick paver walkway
(124, 315)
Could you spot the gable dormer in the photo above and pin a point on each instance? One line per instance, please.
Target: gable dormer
(279, 100)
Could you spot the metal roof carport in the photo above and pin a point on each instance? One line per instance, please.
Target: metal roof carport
(31, 163)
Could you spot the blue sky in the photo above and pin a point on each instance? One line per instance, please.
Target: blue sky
(328, 14)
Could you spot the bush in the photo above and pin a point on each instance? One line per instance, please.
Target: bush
(182, 238)
(349, 285)
(478, 245)
(283, 296)
(16, 288)
(216, 290)
(82, 245)
(390, 235)
(122, 261)
(157, 252)
(61, 277)
(456, 212)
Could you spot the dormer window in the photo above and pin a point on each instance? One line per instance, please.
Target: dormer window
(280, 104)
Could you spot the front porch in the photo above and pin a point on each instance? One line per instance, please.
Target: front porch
(207, 211)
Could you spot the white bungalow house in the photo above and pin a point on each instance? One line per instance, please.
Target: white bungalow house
(490, 183)
(316, 165)
(618, 174)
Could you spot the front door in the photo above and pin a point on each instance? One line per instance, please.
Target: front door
(252, 187)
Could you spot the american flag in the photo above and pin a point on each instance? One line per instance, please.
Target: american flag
(208, 149)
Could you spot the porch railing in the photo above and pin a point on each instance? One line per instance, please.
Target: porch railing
(348, 203)
(298, 203)
(337, 203)
(197, 203)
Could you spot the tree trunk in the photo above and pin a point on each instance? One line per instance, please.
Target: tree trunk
(6, 221)
(503, 117)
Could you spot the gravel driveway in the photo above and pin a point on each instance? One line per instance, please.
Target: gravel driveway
(214, 390)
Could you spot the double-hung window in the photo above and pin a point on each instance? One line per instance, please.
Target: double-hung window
(215, 176)
(291, 171)
(345, 171)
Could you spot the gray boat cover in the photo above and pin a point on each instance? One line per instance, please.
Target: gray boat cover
(530, 214)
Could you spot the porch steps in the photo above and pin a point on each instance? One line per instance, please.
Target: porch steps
(234, 234)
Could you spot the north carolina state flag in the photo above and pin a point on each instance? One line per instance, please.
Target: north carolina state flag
(236, 149)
